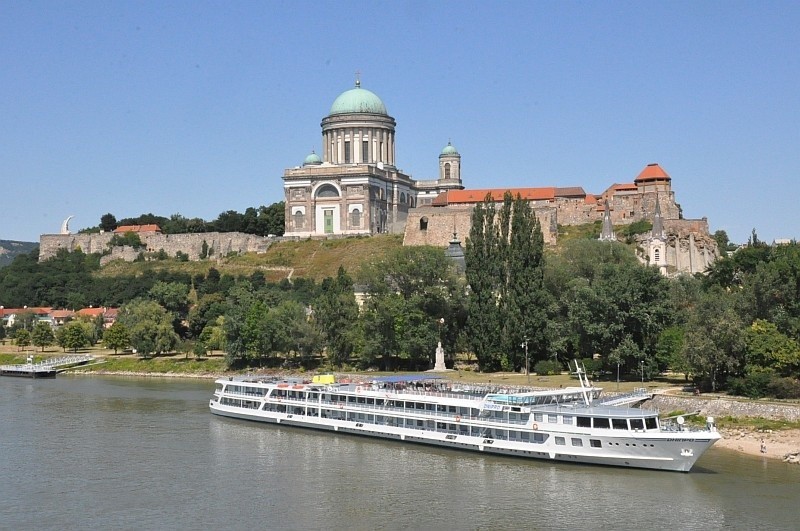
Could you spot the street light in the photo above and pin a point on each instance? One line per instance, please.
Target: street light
(642, 363)
(524, 345)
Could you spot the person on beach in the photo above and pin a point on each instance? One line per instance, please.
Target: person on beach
(763, 447)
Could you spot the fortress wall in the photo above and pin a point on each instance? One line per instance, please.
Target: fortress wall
(220, 244)
(443, 220)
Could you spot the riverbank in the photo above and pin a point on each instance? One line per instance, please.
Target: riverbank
(770, 444)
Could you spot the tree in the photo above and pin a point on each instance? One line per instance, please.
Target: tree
(483, 271)
(108, 222)
(336, 316)
(721, 237)
(714, 344)
(150, 327)
(42, 335)
(173, 296)
(22, 338)
(72, 336)
(768, 348)
(117, 336)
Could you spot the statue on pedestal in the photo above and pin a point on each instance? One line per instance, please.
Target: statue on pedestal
(439, 365)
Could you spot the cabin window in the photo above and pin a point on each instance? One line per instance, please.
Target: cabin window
(584, 422)
(595, 443)
(560, 441)
(538, 437)
(601, 423)
(637, 424)
(552, 418)
(538, 417)
(651, 423)
(451, 409)
(576, 441)
(567, 419)
(619, 424)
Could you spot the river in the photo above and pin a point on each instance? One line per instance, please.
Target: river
(91, 452)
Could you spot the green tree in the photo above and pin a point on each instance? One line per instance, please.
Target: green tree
(117, 336)
(150, 327)
(714, 345)
(108, 222)
(22, 338)
(769, 349)
(72, 336)
(483, 270)
(42, 335)
(336, 315)
(173, 296)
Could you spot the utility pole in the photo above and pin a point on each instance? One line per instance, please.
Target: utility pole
(524, 345)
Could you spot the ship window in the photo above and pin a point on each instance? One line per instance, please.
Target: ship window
(637, 424)
(451, 409)
(538, 417)
(552, 418)
(595, 443)
(576, 441)
(650, 422)
(619, 424)
(567, 419)
(560, 441)
(584, 422)
(601, 423)
(538, 437)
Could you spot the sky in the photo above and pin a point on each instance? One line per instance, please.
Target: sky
(197, 107)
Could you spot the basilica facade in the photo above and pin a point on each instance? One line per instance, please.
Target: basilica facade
(354, 185)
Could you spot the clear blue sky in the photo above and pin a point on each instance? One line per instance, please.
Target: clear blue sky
(197, 107)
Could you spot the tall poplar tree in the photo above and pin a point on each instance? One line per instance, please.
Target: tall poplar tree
(508, 302)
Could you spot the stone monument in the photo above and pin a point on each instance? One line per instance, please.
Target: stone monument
(439, 365)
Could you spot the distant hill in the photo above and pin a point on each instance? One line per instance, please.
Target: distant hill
(10, 249)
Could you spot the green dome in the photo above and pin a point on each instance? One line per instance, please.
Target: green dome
(313, 158)
(449, 150)
(358, 100)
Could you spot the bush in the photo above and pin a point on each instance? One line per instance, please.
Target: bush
(754, 385)
(546, 368)
(784, 388)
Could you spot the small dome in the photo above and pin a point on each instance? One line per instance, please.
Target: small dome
(313, 158)
(358, 100)
(449, 150)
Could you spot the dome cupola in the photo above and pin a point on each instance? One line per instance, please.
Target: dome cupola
(358, 100)
(312, 160)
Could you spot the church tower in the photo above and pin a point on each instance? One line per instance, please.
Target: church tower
(450, 167)
(607, 234)
(658, 241)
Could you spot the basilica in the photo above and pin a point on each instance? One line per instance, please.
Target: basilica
(354, 186)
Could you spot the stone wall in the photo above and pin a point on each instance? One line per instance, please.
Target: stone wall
(219, 244)
(722, 407)
(442, 221)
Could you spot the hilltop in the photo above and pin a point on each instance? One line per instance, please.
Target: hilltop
(9, 249)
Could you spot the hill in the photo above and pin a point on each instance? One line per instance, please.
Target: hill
(314, 259)
(9, 249)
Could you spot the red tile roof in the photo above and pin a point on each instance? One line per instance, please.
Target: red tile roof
(453, 197)
(571, 191)
(137, 228)
(652, 172)
(91, 312)
(37, 311)
(62, 314)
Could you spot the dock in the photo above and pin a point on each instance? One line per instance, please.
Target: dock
(43, 369)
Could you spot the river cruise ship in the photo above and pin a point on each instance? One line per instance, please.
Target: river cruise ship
(571, 424)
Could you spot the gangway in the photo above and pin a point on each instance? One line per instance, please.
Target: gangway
(640, 394)
(44, 368)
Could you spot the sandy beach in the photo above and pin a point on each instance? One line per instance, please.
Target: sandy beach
(777, 444)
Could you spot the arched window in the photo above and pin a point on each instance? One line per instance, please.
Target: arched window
(327, 190)
(298, 220)
(423, 223)
(355, 218)
(447, 170)
(402, 198)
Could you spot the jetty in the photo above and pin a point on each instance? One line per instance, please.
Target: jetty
(45, 368)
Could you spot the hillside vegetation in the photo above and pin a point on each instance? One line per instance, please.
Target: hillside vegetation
(10, 249)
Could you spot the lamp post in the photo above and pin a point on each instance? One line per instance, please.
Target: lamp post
(642, 364)
(524, 345)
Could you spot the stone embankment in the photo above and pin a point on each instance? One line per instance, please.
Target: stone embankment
(723, 407)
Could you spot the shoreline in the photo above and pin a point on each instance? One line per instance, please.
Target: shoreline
(777, 444)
